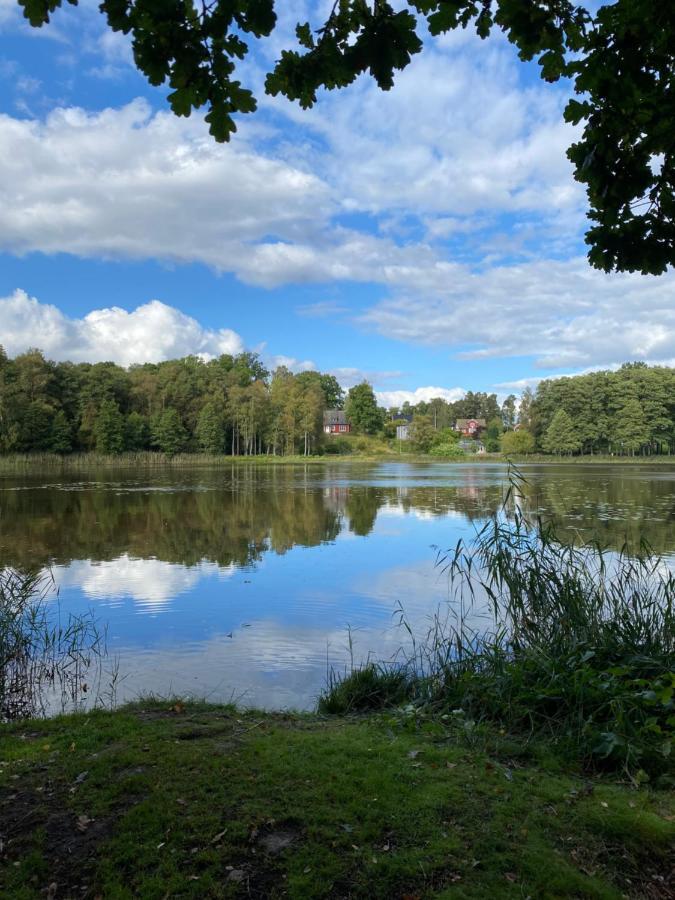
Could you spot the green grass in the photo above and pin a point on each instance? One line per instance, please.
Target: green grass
(166, 800)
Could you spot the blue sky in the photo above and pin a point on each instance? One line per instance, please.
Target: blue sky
(429, 239)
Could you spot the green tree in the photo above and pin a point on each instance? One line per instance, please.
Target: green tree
(310, 409)
(561, 435)
(136, 432)
(517, 442)
(509, 412)
(525, 412)
(630, 432)
(493, 433)
(36, 427)
(421, 434)
(109, 428)
(619, 57)
(168, 433)
(211, 428)
(61, 439)
(362, 410)
(332, 391)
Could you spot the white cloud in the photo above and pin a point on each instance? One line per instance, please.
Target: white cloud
(126, 183)
(460, 134)
(149, 333)
(398, 398)
(563, 313)
(290, 362)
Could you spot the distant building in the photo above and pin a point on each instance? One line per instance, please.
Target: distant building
(335, 422)
(403, 432)
(470, 427)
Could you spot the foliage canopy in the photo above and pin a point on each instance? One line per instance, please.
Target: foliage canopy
(620, 60)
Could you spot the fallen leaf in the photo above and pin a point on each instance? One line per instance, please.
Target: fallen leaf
(450, 765)
(606, 805)
(412, 754)
(511, 876)
(81, 777)
(163, 844)
(307, 869)
(218, 837)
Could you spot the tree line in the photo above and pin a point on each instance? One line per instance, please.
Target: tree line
(231, 404)
(625, 412)
(234, 405)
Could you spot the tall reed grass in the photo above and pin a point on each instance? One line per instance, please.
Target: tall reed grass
(579, 645)
(46, 660)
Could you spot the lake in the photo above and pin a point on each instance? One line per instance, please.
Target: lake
(244, 582)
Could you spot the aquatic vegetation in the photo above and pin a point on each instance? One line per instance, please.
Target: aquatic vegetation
(44, 660)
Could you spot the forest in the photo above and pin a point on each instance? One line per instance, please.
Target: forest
(234, 405)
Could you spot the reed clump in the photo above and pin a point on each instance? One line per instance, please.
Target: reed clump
(578, 646)
(46, 659)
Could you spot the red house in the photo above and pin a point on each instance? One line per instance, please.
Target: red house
(470, 427)
(335, 422)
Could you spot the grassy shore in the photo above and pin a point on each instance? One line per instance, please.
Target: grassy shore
(178, 800)
(39, 462)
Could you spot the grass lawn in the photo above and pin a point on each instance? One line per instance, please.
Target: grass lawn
(159, 801)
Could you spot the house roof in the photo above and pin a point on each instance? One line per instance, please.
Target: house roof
(462, 423)
(335, 417)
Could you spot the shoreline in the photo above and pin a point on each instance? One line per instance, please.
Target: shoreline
(195, 800)
(150, 460)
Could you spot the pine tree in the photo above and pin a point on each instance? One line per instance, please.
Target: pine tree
(561, 435)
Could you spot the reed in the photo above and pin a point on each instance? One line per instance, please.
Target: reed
(579, 645)
(46, 661)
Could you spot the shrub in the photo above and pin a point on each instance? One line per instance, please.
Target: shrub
(339, 446)
(363, 689)
(447, 451)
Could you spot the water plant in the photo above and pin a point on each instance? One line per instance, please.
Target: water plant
(46, 660)
(578, 644)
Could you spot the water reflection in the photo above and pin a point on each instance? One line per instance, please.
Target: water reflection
(243, 581)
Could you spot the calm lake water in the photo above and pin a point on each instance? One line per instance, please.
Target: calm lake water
(241, 582)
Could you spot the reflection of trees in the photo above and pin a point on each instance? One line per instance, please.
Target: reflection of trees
(236, 516)
(615, 510)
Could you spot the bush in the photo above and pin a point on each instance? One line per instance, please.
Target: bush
(338, 446)
(447, 451)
